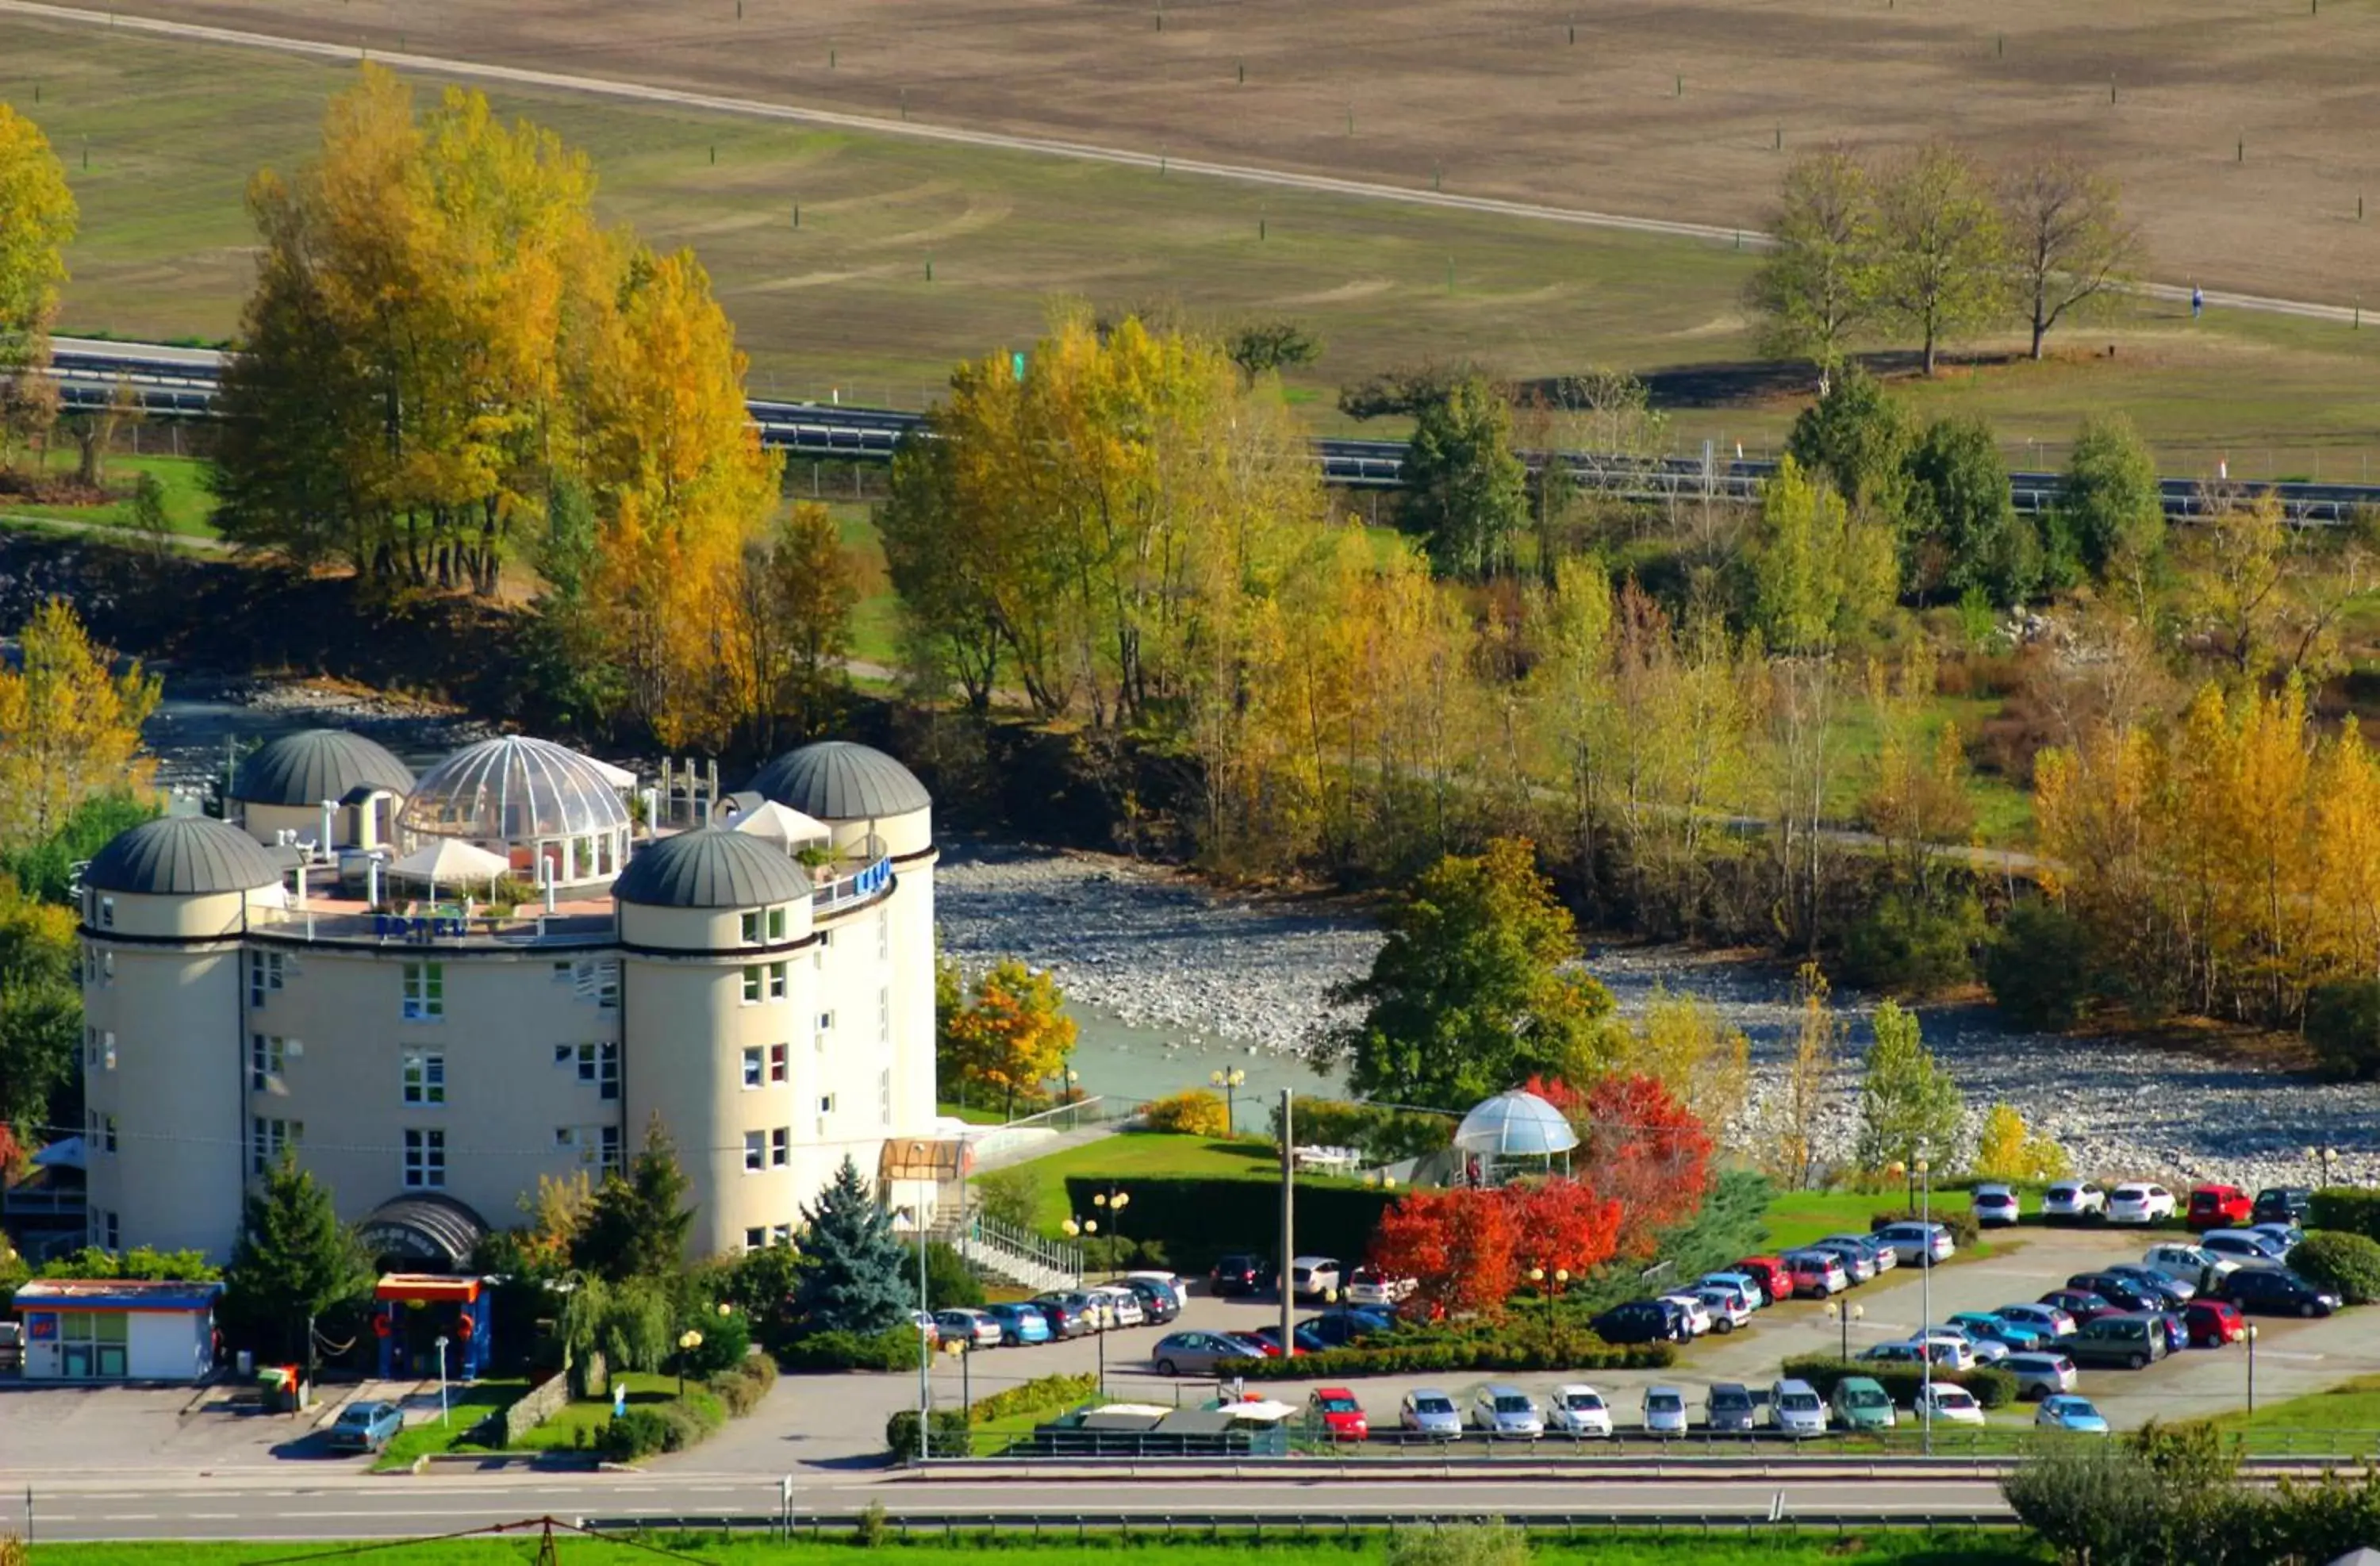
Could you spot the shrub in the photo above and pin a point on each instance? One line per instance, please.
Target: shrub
(1519, 1349)
(1496, 1543)
(949, 1285)
(947, 1435)
(1962, 1224)
(896, 1348)
(725, 1340)
(1194, 1113)
(1052, 1394)
(741, 1386)
(2346, 1209)
(2342, 1024)
(1009, 1196)
(2039, 967)
(1993, 1388)
(1906, 945)
(2348, 1263)
(639, 1432)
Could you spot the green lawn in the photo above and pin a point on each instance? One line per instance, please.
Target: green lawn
(190, 507)
(561, 1433)
(1129, 1154)
(1796, 1218)
(2351, 1405)
(466, 1406)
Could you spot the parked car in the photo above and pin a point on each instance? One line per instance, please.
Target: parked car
(1818, 1274)
(1698, 1315)
(2135, 1203)
(1996, 1206)
(1642, 1322)
(1726, 1407)
(1312, 1277)
(1891, 1354)
(2127, 1339)
(2078, 1415)
(2285, 1236)
(1019, 1324)
(2216, 1206)
(1173, 1281)
(1160, 1302)
(1123, 1304)
(1580, 1411)
(2213, 1323)
(12, 1345)
(2177, 1336)
(366, 1427)
(976, 1327)
(2176, 1290)
(1944, 1403)
(1370, 1286)
(2275, 1290)
(1726, 1308)
(1776, 1278)
(2246, 1246)
(1239, 1273)
(2050, 1318)
(1741, 1284)
(1857, 1259)
(1947, 1352)
(2193, 1263)
(1664, 1410)
(2082, 1305)
(1201, 1354)
(1091, 1307)
(1987, 1348)
(924, 1323)
(2040, 1374)
(2282, 1204)
(1338, 1328)
(1309, 1340)
(1794, 1408)
(1336, 1410)
(1880, 1255)
(1426, 1410)
(1501, 1409)
(1858, 1403)
(1918, 1245)
(2072, 1200)
(1066, 1318)
(2016, 1336)
(2124, 1293)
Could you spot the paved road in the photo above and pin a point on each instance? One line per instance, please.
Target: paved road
(1044, 146)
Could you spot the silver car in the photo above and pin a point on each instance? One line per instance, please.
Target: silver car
(1200, 1353)
(1428, 1412)
(2040, 1374)
(1501, 1409)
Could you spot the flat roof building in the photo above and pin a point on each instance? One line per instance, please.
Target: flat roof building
(113, 1329)
(265, 985)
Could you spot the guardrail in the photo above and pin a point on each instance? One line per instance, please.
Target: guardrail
(1186, 1526)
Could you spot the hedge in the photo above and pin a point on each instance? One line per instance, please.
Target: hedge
(2347, 1208)
(2348, 1263)
(1993, 1388)
(1043, 1394)
(742, 1385)
(1199, 1217)
(896, 1348)
(1522, 1350)
(1961, 1222)
(948, 1433)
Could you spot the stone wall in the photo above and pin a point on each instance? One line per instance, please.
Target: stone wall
(542, 1403)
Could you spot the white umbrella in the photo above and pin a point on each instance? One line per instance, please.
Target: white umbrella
(450, 859)
(618, 777)
(781, 823)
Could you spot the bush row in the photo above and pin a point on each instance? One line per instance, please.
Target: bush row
(1964, 1231)
(1521, 1351)
(741, 1385)
(1992, 1388)
(1198, 1219)
(674, 1427)
(1045, 1394)
(896, 1348)
(2347, 1208)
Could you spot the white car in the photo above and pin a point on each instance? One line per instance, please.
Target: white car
(1919, 1244)
(1951, 1405)
(1581, 1411)
(1727, 1309)
(1428, 1412)
(1665, 1411)
(1311, 1276)
(1173, 1281)
(1795, 1408)
(1698, 1315)
(1743, 1285)
(2247, 1247)
(1503, 1410)
(1123, 1305)
(1949, 1353)
(2188, 1262)
(2133, 1203)
(2074, 1198)
(1369, 1286)
(1987, 1351)
(1997, 1204)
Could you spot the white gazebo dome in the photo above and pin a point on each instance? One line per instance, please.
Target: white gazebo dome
(1516, 1124)
(531, 801)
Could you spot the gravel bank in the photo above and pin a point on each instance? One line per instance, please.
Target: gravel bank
(1162, 950)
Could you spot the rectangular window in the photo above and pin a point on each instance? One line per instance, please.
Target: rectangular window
(597, 1063)
(776, 981)
(884, 1095)
(90, 1047)
(425, 1076)
(112, 1231)
(607, 985)
(752, 1066)
(107, 912)
(755, 1150)
(267, 1057)
(753, 1238)
(883, 1017)
(108, 1049)
(107, 1132)
(826, 1103)
(425, 1161)
(779, 1067)
(783, 1235)
(609, 1163)
(752, 984)
(749, 928)
(270, 1138)
(826, 1022)
(883, 937)
(781, 1148)
(425, 991)
(826, 939)
(776, 924)
(265, 976)
(107, 968)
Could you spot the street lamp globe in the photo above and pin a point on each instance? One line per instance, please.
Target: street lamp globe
(1069, 1229)
(1537, 1275)
(1561, 1274)
(689, 1339)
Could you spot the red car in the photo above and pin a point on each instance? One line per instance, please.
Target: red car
(1775, 1277)
(2081, 1306)
(2219, 1207)
(1339, 1413)
(2213, 1323)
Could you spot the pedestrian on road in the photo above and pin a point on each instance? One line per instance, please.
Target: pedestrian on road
(2197, 301)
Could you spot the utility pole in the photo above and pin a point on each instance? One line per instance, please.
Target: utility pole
(1288, 1220)
(925, 1345)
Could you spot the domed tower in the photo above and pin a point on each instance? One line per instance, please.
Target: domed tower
(164, 993)
(537, 803)
(290, 785)
(718, 994)
(874, 956)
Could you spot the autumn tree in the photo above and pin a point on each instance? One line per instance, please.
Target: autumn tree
(1640, 1146)
(1681, 1043)
(1797, 1103)
(69, 726)
(40, 1010)
(37, 222)
(1015, 1036)
(1466, 492)
(1565, 1225)
(1943, 247)
(1475, 989)
(1460, 1247)
(2068, 242)
(1817, 288)
(2110, 499)
(1268, 348)
(2007, 1149)
(793, 593)
(1917, 798)
(636, 1227)
(1821, 576)
(1909, 1108)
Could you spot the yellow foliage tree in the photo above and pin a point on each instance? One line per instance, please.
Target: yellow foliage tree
(1704, 1063)
(37, 221)
(1015, 1035)
(69, 726)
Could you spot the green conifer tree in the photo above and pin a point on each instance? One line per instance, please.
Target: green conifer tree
(853, 1282)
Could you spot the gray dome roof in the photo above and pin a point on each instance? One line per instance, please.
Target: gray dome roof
(1515, 1125)
(714, 867)
(514, 790)
(182, 856)
(313, 765)
(837, 781)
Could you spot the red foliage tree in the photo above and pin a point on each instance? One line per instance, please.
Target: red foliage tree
(1565, 1225)
(1642, 1146)
(1459, 1246)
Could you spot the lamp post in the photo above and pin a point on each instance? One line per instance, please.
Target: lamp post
(2252, 1370)
(1844, 1312)
(441, 1381)
(1926, 1304)
(964, 1349)
(1114, 1202)
(1079, 1227)
(1228, 1081)
(687, 1341)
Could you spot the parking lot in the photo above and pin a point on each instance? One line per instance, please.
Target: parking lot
(49, 1430)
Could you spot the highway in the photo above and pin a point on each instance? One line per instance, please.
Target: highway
(181, 382)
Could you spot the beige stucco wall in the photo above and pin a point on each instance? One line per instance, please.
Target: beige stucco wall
(367, 825)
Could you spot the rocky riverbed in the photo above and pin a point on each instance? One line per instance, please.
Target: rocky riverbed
(1162, 950)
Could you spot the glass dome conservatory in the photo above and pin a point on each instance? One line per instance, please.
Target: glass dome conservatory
(531, 801)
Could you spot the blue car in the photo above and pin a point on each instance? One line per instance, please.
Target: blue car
(1019, 1324)
(1344, 1327)
(366, 1427)
(1308, 1340)
(2015, 1335)
(2070, 1414)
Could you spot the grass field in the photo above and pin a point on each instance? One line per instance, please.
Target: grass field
(1131, 1154)
(189, 505)
(466, 1406)
(842, 303)
(2351, 1405)
(1796, 1218)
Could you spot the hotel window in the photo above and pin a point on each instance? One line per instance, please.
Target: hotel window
(776, 981)
(755, 1150)
(597, 1063)
(425, 1076)
(610, 1141)
(752, 1066)
(884, 1016)
(749, 928)
(107, 968)
(425, 991)
(267, 1057)
(271, 1139)
(753, 1237)
(111, 1233)
(752, 984)
(826, 1103)
(425, 1161)
(826, 1022)
(776, 924)
(107, 1049)
(781, 1148)
(779, 1067)
(265, 976)
(107, 1132)
(826, 939)
(884, 1095)
(883, 937)
(783, 1235)
(107, 912)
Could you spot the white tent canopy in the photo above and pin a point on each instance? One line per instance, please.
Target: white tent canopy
(781, 823)
(450, 859)
(618, 777)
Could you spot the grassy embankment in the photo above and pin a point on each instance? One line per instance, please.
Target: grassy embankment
(468, 1405)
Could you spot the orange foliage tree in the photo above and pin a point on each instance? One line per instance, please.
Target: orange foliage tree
(1466, 1249)
(1639, 1145)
